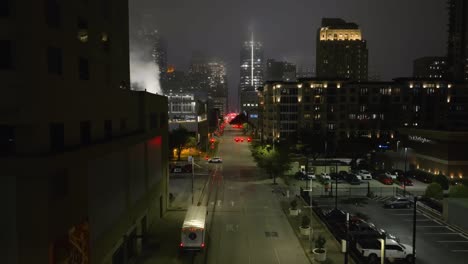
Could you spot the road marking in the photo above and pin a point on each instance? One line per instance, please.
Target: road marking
(460, 250)
(442, 233)
(450, 241)
(277, 258)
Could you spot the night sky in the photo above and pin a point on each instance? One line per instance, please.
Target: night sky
(397, 31)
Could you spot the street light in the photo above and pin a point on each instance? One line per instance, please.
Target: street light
(311, 212)
(404, 182)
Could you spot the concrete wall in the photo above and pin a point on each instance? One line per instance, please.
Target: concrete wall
(456, 212)
(8, 239)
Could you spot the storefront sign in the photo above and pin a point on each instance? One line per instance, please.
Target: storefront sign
(420, 139)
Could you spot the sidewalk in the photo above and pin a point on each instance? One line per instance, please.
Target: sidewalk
(334, 254)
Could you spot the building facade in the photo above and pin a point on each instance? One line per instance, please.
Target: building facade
(84, 159)
(342, 109)
(341, 51)
(251, 65)
(280, 71)
(457, 49)
(430, 68)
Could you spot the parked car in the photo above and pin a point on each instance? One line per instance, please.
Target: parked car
(336, 177)
(343, 174)
(423, 176)
(325, 176)
(353, 179)
(391, 174)
(215, 160)
(371, 249)
(398, 202)
(311, 176)
(300, 176)
(360, 229)
(375, 174)
(383, 178)
(404, 180)
(365, 175)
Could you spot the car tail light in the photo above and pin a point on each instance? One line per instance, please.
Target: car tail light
(181, 244)
(203, 245)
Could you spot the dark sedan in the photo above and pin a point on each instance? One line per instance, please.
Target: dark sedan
(398, 202)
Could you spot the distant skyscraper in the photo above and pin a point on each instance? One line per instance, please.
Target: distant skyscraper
(457, 50)
(208, 75)
(341, 51)
(251, 65)
(430, 68)
(280, 71)
(157, 49)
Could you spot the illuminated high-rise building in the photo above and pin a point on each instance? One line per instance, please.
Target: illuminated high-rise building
(457, 50)
(341, 51)
(280, 71)
(251, 65)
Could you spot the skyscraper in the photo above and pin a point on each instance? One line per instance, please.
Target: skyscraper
(251, 65)
(457, 50)
(341, 51)
(280, 71)
(430, 68)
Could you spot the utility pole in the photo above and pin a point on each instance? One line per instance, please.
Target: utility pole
(347, 239)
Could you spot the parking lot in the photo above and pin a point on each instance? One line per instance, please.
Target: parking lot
(435, 242)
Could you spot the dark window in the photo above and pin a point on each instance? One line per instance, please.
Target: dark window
(83, 68)
(108, 129)
(4, 8)
(153, 120)
(54, 60)
(57, 136)
(59, 185)
(123, 124)
(7, 140)
(163, 120)
(6, 57)
(52, 13)
(85, 132)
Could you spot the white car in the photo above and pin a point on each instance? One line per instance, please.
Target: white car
(311, 176)
(325, 176)
(391, 174)
(215, 160)
(365, 175)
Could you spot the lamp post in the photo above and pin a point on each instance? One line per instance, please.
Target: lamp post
(397, 145)
(414, 229)
(404, 182)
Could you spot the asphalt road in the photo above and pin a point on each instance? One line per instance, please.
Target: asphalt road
(247, 224)
(435, 242)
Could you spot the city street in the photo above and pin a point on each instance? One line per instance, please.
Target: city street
(435, 242)
(248, 225)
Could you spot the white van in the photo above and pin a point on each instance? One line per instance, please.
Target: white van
(193, 229)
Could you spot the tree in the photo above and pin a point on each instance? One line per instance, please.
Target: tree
(356, 148)
(434, 190)
(313, 143)
(275, 161)
(442, 180)
(178, 138)
(458, 191)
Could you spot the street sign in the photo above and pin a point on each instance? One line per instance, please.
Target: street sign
(190, 159)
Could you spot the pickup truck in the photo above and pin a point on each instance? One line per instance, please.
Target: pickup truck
(394, 250)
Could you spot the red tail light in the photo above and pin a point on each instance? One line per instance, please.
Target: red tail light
(203, 245)
(181, 244)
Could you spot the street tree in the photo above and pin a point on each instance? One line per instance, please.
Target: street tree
(178, 139)
(442, 180)
(275, 161)
(355, 148)
(313, 143)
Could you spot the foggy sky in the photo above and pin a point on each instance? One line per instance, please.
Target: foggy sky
(397, 31)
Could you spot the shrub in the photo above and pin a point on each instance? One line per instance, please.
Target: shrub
(305, 221)
(458, 191)
(293, 204)
(434, 190)
(442, 180)
(320, 242)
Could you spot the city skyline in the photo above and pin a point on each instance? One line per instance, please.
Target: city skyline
(206, 27)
